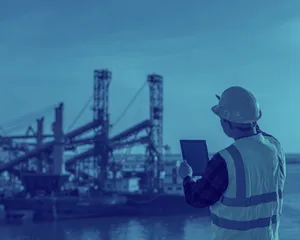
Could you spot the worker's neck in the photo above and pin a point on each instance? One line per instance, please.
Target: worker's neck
(244, 133)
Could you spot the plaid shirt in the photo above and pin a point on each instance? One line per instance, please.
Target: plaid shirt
(210, 188)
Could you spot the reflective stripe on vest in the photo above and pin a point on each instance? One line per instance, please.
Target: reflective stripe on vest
(243, 225)
(242, 201)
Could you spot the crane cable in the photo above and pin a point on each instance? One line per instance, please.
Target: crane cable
(123, 113)
(80, 113)
(129, 148)
(20, 122)
(28, 115)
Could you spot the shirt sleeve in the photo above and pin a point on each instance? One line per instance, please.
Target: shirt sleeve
(209, 189)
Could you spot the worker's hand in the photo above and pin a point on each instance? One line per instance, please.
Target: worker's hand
(185, 170)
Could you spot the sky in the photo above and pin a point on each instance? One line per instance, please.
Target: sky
(49, 49)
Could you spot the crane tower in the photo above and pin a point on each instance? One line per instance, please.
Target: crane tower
(102, 79)
(154, 163)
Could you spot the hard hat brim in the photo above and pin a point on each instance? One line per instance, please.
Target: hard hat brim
(215, 110)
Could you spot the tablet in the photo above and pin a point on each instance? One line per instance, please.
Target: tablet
(196, 154)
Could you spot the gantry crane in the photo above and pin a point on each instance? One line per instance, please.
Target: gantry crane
(103, 147)
(99, 156)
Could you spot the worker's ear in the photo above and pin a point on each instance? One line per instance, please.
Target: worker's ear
(225, 122)
(229, 124)
(218, 97)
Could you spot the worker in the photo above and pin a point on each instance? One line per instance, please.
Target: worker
(243, 183)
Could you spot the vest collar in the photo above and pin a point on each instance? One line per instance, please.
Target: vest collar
(257, 137)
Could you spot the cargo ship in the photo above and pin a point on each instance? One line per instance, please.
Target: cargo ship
(94, 151)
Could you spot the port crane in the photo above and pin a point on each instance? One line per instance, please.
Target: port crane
(48, 155)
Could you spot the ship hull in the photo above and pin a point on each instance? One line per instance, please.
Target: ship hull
(48, 209)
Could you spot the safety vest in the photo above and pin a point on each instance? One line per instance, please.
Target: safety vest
(252, 204)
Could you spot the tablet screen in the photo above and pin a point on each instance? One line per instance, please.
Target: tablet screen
(196, 154)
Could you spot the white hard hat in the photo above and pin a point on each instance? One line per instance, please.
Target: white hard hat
(237, 105)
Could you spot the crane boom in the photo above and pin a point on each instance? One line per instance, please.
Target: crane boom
(35, 152)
